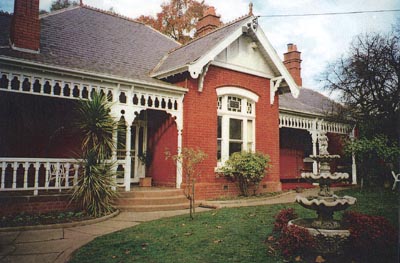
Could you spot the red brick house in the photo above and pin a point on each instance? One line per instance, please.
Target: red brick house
(221, 92)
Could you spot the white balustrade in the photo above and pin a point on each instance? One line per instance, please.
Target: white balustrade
(51, 86)
(34, 174)
(307, 123)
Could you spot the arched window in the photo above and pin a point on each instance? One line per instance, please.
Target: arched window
(236, 121)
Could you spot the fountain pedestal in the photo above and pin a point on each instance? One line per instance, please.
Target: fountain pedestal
(328, 232)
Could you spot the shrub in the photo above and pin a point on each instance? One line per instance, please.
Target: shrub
(295, 241)
(94, 190)
(369, 235)
(283, 218)
(247, 169)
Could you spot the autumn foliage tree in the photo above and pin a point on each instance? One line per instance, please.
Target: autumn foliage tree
(60, 4)
(177, 19)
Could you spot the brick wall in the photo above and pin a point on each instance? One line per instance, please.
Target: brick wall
(200, 127)
(163, 136)
(35, 204)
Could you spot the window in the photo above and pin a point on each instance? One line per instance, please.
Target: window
(235, 122)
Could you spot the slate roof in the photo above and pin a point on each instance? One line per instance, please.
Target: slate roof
(91, 40)
(5, 23)
(192, 51)
(309, 101)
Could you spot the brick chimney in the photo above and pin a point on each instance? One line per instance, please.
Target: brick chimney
(208, 22)
(292, 61)
(25, 26)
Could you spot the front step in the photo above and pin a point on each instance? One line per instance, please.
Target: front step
(152, 200)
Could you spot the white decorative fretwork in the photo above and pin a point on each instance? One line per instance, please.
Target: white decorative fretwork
(309, 123)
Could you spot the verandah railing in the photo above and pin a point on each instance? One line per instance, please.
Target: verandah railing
(24, 174)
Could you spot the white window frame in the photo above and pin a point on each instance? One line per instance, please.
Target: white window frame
(245, 96)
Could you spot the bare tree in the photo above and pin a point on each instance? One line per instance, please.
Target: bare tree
(367, 79)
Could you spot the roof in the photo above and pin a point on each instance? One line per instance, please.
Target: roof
(91, 40)
(192, 51)
(196, 55)
(309, 102)
(5, 23)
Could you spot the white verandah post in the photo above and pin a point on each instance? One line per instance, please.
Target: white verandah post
(128, 162)
(353, 160)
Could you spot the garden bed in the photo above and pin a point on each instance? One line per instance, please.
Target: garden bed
(51, 218)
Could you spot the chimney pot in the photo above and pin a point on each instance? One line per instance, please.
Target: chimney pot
(25, 26)
(292, 61)
(208, 22)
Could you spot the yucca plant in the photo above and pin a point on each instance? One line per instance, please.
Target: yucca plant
(94, 190)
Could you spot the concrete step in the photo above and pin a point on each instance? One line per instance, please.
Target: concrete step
(151, 201)
(151, 193)
(153, 208)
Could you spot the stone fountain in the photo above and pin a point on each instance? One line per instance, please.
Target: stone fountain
(329, 232)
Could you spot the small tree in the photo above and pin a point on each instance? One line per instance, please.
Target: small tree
(247, 168)
(373, 155)
(94, 190)
(188, 161)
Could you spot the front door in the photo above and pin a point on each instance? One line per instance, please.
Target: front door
(138, 153)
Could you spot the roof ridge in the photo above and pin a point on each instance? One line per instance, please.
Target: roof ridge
(111, 13)
(211, 32)
(56, 12)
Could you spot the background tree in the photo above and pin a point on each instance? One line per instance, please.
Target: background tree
(60, 4)
(177, 18)
(367, 80)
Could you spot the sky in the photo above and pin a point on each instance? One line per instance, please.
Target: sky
(321, 39)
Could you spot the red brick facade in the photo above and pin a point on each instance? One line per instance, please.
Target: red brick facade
(163, 136)
(200, 127)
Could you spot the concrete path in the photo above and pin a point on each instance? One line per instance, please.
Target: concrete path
(57, 245)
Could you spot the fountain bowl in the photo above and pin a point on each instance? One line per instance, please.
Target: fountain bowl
(332, 203)
(328, 241)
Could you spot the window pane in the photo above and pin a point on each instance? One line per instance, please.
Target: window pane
(219, 127)
(235, 147)
(249, 130)
(219, 150)
(234, 104)
(235, 129)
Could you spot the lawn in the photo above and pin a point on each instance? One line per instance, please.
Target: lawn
(225, 235)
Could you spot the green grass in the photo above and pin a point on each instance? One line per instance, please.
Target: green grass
(225, 235)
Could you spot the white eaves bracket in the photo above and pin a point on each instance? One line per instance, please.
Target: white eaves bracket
(274, 85)
(202, 76)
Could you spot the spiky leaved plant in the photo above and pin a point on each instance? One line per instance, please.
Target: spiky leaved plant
(94, 190)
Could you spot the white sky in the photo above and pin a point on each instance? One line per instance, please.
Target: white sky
(321, 39)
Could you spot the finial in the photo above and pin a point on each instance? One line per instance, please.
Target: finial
(251, 9)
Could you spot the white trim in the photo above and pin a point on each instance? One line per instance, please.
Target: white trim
(26, 50)
(85, 74)
(241, 69)
(294, 89)
(196, 67)
(237, 92)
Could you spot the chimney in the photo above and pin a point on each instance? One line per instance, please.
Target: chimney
(25, 26)
(208, 22)
(292, 61)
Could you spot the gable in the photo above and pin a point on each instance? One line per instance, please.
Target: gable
(243, 55)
